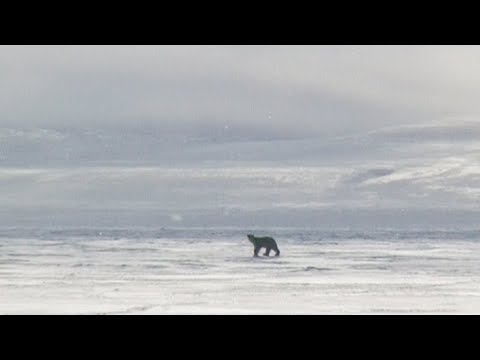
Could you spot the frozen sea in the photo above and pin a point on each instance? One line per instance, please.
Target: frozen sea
(212, 271)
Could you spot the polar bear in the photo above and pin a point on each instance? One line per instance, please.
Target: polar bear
(267, 242)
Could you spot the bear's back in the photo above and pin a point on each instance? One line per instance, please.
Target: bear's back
(265, 241)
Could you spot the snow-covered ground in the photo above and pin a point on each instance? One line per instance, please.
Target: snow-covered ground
(212, 271)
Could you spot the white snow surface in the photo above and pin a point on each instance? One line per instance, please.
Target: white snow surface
(212, 271)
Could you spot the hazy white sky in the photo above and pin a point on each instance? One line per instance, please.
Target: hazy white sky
(282, 90)
(240, 128)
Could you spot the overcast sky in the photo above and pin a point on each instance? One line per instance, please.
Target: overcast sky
(225, 130)
(279, 90)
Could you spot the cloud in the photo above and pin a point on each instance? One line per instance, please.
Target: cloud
(281, 90)
(450, 182)
(226, 129)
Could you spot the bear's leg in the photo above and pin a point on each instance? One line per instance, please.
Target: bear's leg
(255, 251)
(267, 252)
(277, 251)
